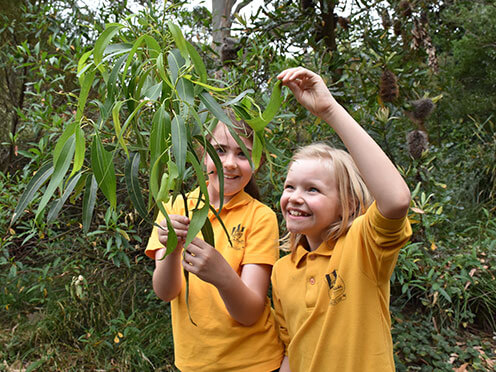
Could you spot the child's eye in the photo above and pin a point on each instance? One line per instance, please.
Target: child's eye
(313, 189)
(220, 150)
(288, 187)
(241, 154)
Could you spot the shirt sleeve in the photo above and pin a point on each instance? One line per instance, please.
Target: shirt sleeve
(282, 328)
(381, 239)
(262, 241)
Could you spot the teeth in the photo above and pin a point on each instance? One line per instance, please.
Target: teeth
(296, 213)
(229, 177)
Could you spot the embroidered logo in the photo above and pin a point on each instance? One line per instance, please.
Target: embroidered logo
(337, 289)
(237, 237)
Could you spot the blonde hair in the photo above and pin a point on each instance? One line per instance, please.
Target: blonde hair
(353, 193)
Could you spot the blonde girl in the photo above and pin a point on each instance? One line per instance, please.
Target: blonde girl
(235, 328)
(346, 214)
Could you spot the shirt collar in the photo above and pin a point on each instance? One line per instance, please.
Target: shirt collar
(324, 249)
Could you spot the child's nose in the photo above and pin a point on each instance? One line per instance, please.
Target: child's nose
(229, 161)
(295, 197)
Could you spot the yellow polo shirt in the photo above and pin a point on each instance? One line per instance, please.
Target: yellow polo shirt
(219, 343)
(332, 304)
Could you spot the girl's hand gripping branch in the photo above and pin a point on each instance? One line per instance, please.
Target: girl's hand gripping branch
(167, 276)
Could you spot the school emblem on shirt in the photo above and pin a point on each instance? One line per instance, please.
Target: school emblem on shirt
(237, 237)
(337, 288)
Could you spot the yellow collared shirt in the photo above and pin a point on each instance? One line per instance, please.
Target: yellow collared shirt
(219, 343)
(332, 304)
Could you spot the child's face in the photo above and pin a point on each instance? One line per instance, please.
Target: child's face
(310, 200)
(236, 166)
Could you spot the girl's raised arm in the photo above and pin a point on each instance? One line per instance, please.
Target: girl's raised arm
(382, 178)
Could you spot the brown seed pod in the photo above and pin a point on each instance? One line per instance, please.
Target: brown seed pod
(386, 19)
(417, 143)
(388, 87)
(422, 108)
(397, 27)
(405, 8)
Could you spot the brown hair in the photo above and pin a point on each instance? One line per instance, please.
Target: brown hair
(244, 130)
(353, 193)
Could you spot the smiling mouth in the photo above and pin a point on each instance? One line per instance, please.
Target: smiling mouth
(297, 213)
(230, 177)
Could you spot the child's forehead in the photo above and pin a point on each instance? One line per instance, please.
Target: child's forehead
(222, 136)
(317, 169)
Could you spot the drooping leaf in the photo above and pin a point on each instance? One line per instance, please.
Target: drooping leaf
(103, 169)
(60, 169)
(199, 216)
(197, 62)
(86, 83)
(176, 62)
(179, 143)
(133, 185)
(258, 123)
(89, 200)
(33, 186)
(57, 207)
(79, 151)
(104, 39)
(179, 40)
(159, 135)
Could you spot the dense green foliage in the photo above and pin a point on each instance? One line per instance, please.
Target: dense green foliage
(75, 298)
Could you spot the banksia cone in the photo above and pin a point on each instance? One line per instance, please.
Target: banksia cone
(405, 8)
(344, 23)
(388, 87)
(417, 143)
(422, 108)
(386, 19)
(397, 27)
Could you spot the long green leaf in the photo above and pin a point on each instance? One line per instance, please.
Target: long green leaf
(200, 215)
(258, 123)
(103, 169)
(69, 131)
(86, 83)
(179, 143)
(176, 62)
(208, 232)
(197, 62)
(104, 40)
(133, 186)
(185, 91)
(112, 80)
(153, 46)
(179, 40)
(117, 125)
(213, 106)
(33, 186)
(218, 166)
(159, 135)
(89, 200)
(60, 169)
(79, 152)
(57, 207)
